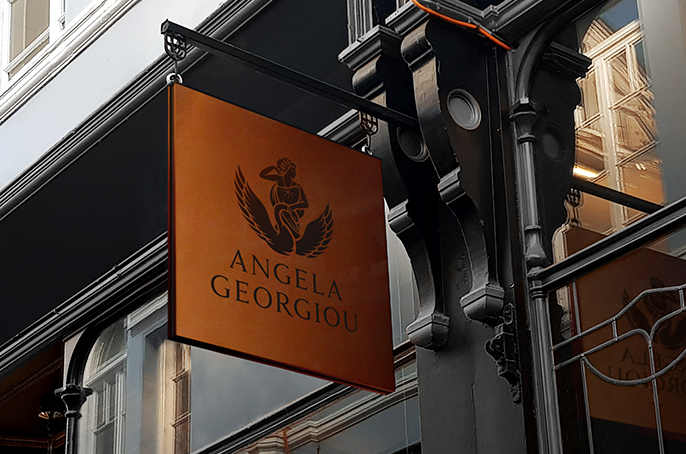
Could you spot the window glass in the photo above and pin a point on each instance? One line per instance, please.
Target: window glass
(29, 19)
(618, 332)
(255, 389)
(363, 422)
(620, 349)
(619, 14)
(595, 213)
(141, 388)
(105, 375)
(629, 125)
(152, 395)
(228, 393)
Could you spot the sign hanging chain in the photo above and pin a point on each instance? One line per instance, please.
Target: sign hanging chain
(176, 48)
(370, 126)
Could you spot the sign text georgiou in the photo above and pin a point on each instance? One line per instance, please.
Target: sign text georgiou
(230, 286)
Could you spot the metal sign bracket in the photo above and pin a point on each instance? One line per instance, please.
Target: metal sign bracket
(177, 38)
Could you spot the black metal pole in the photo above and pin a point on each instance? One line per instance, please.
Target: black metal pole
(618, 197)
(289, 76)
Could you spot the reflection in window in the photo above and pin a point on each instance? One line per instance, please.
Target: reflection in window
(168, 380)
(141, 388)
(363, 422)
(146, 400)
(228, 393)
(179, 392)
(620, 351)
(105, 375)
(619, 332)
(616, 132)
(255, 389)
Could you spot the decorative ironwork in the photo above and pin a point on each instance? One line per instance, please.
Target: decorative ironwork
(73, 396)
(574, 200)
(368, 123)
(367, 149)
(657, 324)
(175, 45)
(370, 126)
(174, 77)
(503, 349)
(640, 330)
(287, 75)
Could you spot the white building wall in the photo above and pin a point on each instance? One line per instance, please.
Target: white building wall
(32, 121)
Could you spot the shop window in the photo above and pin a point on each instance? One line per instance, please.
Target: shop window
(141, 388)
(105, 375)
(228, 393)
(178, 391)
(255, 390)
(619, 330)
(152, 395)
(617, 140)
(363, 422)
(620, 349)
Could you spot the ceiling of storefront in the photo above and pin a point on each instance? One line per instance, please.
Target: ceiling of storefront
(21, 430)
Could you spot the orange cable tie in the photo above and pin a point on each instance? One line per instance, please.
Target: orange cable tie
(444, 17)
(488, 35)
(468, 25)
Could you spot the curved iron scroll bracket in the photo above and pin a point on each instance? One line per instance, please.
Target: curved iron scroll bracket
(461, 156)
(175, 45)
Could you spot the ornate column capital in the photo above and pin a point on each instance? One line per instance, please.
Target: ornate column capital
(73, 396)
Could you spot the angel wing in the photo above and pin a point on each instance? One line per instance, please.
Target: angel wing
(317, 235)
(253, 210)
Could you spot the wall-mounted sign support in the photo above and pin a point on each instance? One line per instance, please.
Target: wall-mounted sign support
(177, 33)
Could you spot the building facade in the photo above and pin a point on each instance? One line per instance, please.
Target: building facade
(534, 201)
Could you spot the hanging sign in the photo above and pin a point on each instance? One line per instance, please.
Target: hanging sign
(277, 244)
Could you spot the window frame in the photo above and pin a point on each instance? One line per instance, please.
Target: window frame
(22, 62)
(65, 41)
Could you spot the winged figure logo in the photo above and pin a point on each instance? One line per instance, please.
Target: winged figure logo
(672, 334)
(284, 233)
